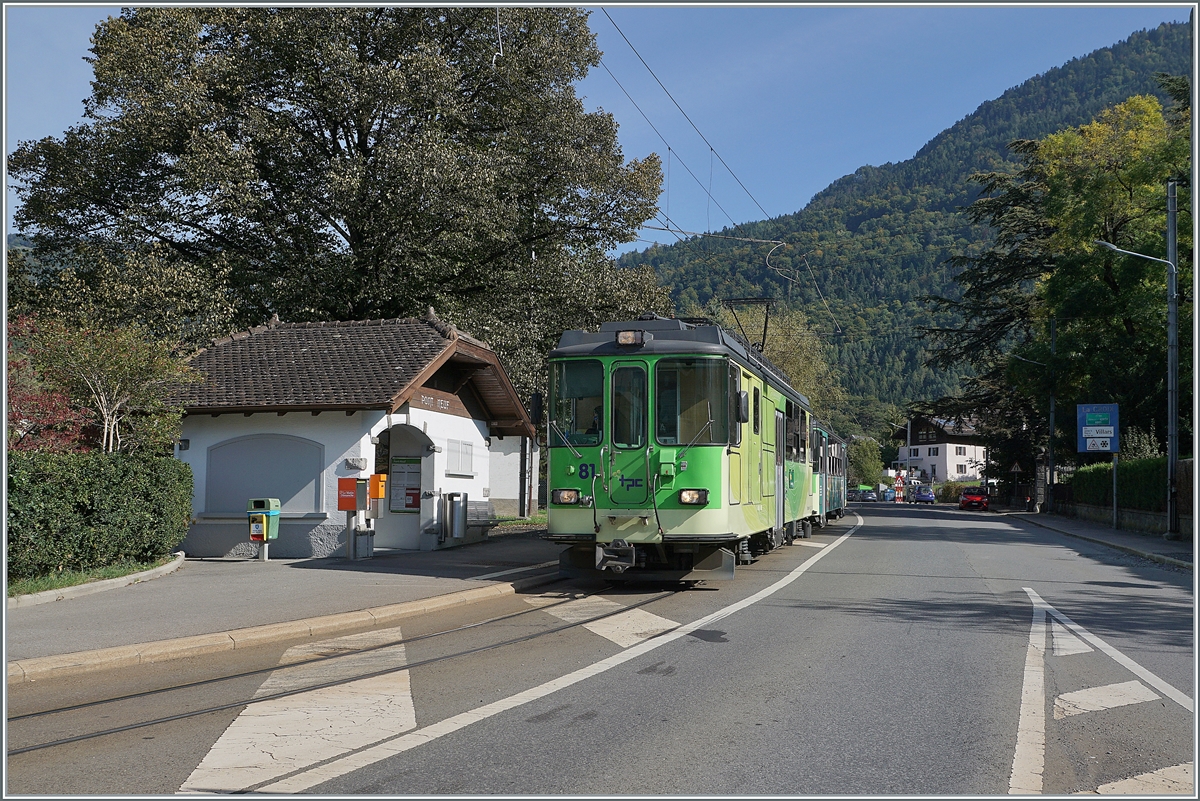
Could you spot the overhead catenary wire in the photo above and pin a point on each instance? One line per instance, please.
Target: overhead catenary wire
(684, 113)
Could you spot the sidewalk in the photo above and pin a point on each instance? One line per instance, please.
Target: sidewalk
(1148, 546)
(208, 605)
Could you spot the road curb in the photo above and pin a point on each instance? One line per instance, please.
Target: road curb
(1155, 557)
(50, 596)
(48, 667)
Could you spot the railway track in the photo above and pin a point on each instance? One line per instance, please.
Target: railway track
(95, 709)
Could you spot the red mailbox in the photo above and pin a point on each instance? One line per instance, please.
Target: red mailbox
(348, 495)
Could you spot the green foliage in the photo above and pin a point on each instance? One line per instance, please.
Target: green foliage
(1139, 444)
(120, 375)
(84, 511)
(950, 491)
(1141, 484)
(73, 578)
(865, 466)
(332, 164)
(879, 240)
(1105, 180)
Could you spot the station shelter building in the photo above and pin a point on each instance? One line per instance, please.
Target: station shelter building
(286, 409)
(935, 450)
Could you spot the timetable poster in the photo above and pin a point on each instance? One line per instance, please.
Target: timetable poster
(404, 492)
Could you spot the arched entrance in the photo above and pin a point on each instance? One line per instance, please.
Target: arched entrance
(409, 465)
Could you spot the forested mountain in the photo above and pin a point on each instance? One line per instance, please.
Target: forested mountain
(877, 241)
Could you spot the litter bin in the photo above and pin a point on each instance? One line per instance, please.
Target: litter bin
(454, 515)
(263, 514)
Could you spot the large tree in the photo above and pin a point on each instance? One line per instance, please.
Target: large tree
(333, 163)
(1101, 181)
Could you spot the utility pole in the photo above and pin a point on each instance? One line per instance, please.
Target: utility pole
(1050, 448)
(1172, 366)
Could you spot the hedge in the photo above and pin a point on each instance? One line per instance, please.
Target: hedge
(79, 511)
(1141, 484)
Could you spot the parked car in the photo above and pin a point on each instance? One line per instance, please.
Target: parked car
(974, 498)
(922, 494)
(853, 495)
(869, 495)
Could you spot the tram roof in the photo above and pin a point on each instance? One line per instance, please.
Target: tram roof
(672, 335)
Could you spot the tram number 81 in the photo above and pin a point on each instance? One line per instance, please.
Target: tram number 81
(587, 470)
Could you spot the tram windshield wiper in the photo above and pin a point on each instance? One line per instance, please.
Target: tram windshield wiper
(566, 442)
(707, 426)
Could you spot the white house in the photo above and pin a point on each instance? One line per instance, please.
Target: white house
(939, 450)
(287, 409)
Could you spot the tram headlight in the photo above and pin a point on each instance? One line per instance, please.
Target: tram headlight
(633, 338)
(565, 496)
(693, 497)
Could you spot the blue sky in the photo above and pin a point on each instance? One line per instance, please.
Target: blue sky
(791, 98)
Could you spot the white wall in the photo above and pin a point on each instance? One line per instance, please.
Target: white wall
(946, 462)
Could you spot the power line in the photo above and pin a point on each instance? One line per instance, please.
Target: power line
(712, 149)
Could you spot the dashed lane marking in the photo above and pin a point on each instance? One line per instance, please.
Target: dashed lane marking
(809, 544)
(1095, 699)
(1029, 758)
(273, 738)
(625, 629)
(1066, 643)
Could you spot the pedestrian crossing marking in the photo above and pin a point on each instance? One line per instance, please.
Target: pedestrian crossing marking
(1175, 780)
(1066, 643)
(1095, 699)
(272, 738)
(625, 628)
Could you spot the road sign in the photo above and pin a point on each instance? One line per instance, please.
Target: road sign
(1097, 428)
(1016, 468)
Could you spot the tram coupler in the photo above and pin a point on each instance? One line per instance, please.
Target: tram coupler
(617, 556)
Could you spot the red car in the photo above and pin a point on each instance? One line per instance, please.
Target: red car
(973, 498)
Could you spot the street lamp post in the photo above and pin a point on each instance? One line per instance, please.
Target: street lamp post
(1172, 359)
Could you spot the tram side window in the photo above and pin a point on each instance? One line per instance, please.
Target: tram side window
(757, 413)
(687, 393)
(735, 402)
(804, 431)
(629, 407)
(577, 402)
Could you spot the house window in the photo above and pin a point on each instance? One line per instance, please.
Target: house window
(962, 469)
(960, 450)
(933, 451)
(459, 458)
(914, 451)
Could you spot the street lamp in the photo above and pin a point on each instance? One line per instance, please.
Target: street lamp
(1172, 360)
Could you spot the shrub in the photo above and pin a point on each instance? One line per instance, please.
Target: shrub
(1141, 484)
(80, 511)
(949, 492)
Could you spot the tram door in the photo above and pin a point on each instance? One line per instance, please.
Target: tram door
(628, 474)
(780, 486)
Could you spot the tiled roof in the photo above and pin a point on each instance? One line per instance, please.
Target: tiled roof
(334, 365)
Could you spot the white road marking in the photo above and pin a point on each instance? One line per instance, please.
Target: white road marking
(355, 760)
(499, 573)
(273, 738)
(625, 629)
(1176, 780)
(1095, 699)
(808, 544)
(1120, 658)
(1066, 643)
(1030, 755)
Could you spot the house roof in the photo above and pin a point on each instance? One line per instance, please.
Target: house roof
(345, 366)
(949, 428)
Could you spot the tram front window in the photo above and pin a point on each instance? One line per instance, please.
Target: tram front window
(687, 391)
(629, 407)
(577, 403)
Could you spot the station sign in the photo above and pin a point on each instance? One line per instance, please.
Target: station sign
(1097, 428)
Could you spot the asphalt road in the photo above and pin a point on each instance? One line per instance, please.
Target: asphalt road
(894, 659)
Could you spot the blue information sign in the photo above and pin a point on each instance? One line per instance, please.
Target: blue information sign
(1098, 429)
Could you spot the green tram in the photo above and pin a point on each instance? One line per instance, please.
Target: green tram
(678, 451)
